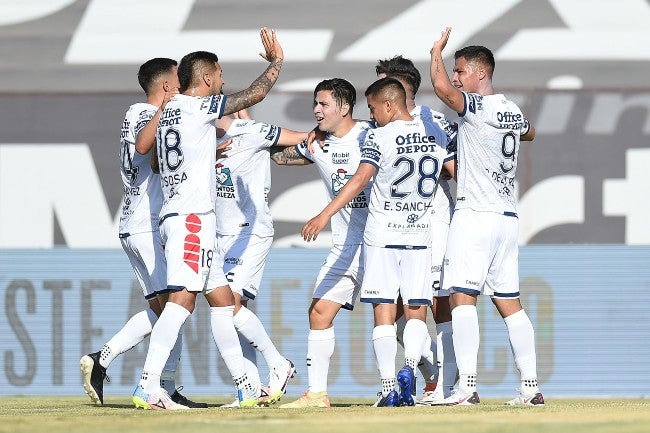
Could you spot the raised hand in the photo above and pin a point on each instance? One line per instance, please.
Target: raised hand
(273, 49)
(441, 43)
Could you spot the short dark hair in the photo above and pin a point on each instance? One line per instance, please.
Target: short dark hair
(402, 68)
(342, 90)
(193, 66)
(388, 86)
(478, 54)
(152, 69)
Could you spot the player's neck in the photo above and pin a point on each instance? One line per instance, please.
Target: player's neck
(402, 114)
(485, 89)
(156, 98)
(344, 127)
(200, 91)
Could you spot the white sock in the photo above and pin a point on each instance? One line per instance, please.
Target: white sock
(384, 341)
(250, 360)
(448, 371)
(132, 333)
(250, 326)
(168, 376)
(522, 342)
(415, 338)
(163, 338)
(225, 336)
(320, 347)
(464, 321)
(428, 364)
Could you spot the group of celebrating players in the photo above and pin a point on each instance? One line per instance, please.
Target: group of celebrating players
(196, 175)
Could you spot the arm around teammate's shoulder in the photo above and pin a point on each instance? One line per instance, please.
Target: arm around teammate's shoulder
(289, 137)
(288, 156)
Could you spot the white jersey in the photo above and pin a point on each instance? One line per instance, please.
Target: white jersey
(187, 141)
(488, 143)
(142, 195)
(443, 201)
(409, 157)
(243, 179)
(337, 161)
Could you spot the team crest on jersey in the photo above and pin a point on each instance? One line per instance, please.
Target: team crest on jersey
(339, 179)
(225, 188)
(223, 175)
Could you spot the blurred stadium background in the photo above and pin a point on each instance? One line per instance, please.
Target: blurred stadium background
(579, 69)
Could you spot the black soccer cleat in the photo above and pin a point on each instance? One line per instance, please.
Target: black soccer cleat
(93, 377)
(179, 398)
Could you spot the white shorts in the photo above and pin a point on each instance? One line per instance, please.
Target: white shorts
(189, 249)
(147, 257)
(339, 279)
(243, 258)
(391, 272)
(439, 232)
(482, 254)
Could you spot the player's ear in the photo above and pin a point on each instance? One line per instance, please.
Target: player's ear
(166, 86)
(345, 109)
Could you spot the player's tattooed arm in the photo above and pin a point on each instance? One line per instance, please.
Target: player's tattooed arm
(288, 156)
(262, 85)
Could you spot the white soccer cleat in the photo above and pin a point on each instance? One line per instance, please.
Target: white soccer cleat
(278, 380)
(536, 399)
(158, 400)
(432, 398)
(460, 398)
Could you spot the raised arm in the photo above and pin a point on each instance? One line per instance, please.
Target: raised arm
(442, 85)
(262, 85)
(350, 190)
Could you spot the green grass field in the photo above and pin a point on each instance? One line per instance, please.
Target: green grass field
(76, 414)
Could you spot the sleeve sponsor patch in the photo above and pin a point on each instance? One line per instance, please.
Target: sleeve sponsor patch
(144, 117)
(214, 104)
(370, 149)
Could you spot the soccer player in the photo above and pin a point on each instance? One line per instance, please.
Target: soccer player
(186, 144)
(339, 280)
(439, 376)
(245, 235)
(404, 156)
(139, 234)
(482, 253)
